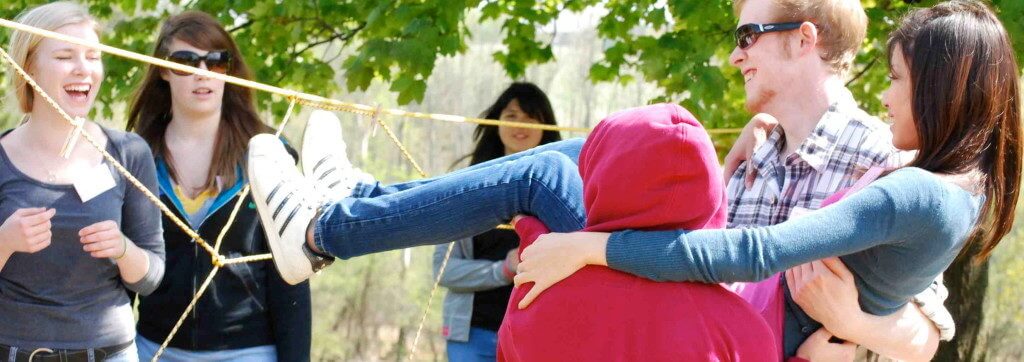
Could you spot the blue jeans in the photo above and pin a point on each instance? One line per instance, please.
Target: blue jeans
(482, 346)
(543, 181)
(147, 349)
(125, 355)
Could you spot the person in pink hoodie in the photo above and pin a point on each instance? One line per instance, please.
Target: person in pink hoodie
(647, 168)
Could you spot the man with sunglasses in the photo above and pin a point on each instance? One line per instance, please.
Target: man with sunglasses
(793, 55)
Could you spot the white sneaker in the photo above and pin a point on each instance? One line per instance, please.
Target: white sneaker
(324, 160)
(286, 203)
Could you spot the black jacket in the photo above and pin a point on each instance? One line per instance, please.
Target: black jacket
(246, 305)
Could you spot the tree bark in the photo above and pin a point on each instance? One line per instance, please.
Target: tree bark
(967, 283)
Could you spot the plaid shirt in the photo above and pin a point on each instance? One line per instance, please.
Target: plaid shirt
(846, 143)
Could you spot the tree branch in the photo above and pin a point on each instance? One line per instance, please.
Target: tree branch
(246, 24)
(862, 71)
(335, 36)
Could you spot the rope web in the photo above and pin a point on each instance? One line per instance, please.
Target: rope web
(295, 98)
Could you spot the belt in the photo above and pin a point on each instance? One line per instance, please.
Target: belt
(60, 355)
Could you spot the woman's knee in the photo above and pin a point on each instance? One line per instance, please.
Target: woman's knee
(551, 162)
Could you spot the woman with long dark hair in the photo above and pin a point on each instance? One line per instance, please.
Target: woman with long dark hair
(198, 127)
(955, 98)
(520, 102)
(480, 270)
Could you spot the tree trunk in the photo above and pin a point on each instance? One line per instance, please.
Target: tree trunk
(967, 283)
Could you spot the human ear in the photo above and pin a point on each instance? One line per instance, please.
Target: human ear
(808, 37)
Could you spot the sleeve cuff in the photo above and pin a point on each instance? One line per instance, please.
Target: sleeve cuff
(509, 274)
(617, 252)
(501, 272)
(151, 280)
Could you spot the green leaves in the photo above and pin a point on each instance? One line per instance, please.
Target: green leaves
(681, 45)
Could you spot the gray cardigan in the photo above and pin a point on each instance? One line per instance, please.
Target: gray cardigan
(463, 276)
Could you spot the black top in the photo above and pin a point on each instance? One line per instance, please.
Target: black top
(247, 305)
(489, 305)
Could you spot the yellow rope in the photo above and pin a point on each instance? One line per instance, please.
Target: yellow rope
(430, 300)
(723, 130)
(245, 192)
(217, 260)
(295, 97)
(401, 147)
(301, 98)
(448, 254)
(287, 116)
(247, 259)
(106, 155)
(184, 315)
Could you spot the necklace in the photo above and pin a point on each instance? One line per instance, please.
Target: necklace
(51, 176)
(52, 173)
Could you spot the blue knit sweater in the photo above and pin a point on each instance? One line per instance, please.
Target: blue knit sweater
(895, 235)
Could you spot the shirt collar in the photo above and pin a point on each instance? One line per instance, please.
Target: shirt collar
(817, 148)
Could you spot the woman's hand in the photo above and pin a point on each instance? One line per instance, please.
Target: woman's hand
(826, 290)
(754, 134)
(103, 240)
(556, 256)
(26, 231)
(818, 348)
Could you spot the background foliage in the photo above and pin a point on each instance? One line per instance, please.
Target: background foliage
(454, 57)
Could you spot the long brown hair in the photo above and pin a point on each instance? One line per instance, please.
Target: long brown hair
(151, 108)
(966, 105)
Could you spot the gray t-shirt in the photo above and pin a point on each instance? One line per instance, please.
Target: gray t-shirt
(61, 297)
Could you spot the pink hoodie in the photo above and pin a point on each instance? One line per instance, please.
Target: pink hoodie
(647, 168)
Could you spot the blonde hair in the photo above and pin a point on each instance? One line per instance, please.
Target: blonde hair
(842, 26)
(50, 17)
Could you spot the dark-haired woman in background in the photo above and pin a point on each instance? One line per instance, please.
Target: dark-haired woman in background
(479, 273)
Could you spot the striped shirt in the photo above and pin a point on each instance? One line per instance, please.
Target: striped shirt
(845, 143)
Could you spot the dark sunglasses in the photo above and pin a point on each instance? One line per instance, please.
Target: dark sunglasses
(747, 34)
(216, 61)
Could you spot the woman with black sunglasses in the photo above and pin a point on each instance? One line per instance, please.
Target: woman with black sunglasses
(198, 128)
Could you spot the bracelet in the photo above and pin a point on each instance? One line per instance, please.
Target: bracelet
(124, 251)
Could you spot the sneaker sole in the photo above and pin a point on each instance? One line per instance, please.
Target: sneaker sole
(273, 239)
(317, 117)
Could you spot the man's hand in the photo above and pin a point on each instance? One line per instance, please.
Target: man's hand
(826, 290)
(817, 348)
(754, 134)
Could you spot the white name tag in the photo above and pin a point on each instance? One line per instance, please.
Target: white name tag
(94, 181)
